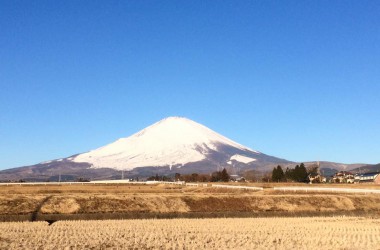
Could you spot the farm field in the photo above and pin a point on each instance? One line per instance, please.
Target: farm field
(222, 233)
(31, 203)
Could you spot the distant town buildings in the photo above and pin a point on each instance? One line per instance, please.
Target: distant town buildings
(349, 177)
(343, 177)
(368, 177)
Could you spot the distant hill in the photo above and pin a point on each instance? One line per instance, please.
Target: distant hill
(327, 172)
(328, 168)
(367, 168)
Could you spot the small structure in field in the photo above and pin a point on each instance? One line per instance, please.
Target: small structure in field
(237, 178)
(316, 178)
(343, 177)
(368, 177)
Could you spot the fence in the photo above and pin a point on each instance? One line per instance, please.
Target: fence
(192, 184)
(92, 183)
(71, 183)
(319, 189)
(173, 183)
(237, 187)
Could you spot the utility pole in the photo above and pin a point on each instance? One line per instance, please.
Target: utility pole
(319, 168)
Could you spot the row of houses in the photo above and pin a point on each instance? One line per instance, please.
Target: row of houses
(368, 177)
(347, 177)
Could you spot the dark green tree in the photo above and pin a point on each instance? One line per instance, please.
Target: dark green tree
(296, 173)
(224, 176)
(274, 174)
(220, 176)
(289, 174)
(302, 173)
(278, 174)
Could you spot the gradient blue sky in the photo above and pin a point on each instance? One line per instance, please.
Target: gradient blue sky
(294, 79)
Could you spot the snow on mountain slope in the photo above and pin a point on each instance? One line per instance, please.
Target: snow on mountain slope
(171, 141)
(242, 158)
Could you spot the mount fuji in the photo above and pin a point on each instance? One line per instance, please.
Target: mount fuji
(174, 141)
(172, 145)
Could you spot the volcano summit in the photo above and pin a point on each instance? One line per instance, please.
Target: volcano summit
(172, 145)
(172, 141)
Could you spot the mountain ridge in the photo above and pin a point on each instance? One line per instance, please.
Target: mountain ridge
(169, 146)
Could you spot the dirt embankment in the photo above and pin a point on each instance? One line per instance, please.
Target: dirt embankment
(82, 204)
(134, 201)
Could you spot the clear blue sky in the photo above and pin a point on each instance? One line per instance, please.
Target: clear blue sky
(294, 79)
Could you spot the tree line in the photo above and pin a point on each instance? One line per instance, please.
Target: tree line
(218, 176)
(297, 174)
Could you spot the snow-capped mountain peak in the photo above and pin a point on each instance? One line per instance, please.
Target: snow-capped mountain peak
(171, 141)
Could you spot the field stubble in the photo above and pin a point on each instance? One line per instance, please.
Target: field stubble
(222, 233)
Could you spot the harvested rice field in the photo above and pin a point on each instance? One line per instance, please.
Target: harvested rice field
(221, 233)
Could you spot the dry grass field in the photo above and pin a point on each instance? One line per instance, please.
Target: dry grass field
(222, 233)
(75, 205)
(35, 202)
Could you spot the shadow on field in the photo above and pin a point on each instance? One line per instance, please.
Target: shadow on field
(51, 218)
(34, 215)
